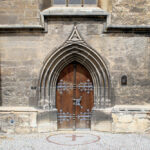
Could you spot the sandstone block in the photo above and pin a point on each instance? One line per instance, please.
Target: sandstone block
(125, 118)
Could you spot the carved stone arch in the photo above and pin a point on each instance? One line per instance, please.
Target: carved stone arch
(74, 49)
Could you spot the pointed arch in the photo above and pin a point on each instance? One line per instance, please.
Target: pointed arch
(74, 49)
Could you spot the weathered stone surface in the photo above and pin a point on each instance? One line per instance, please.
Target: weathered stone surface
(93, 29)
(8, 19)
(22, 56)
(101, 120)
(21, 120)
(124, 12)
(47, 121)
(131, 119)
(103, 126)
(125, 118)
(127, 12)
(44, 4)
(19, 12)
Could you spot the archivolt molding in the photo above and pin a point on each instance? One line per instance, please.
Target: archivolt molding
(74, 49)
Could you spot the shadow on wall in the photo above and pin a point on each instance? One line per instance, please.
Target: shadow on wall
(44, 4)
(0, 85)
(113, 97)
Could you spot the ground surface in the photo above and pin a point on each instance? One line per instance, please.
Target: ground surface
(75, 141)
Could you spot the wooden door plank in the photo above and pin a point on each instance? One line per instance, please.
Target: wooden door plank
(64, 101)
(83, 91)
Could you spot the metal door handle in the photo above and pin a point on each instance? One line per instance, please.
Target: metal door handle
(78, 101)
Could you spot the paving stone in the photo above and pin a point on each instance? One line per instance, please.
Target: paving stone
(85, 140)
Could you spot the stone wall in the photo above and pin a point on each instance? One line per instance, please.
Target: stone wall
(26, 120)
(27, 12)
(20, 66)
(122, 119)
(131, 119)
(118, 119)
(21, 12)
(22, 57)
(23, 54)
(128, 57)
(44, 4)
(102, 120)
(18, 120)
(47, 120)
(129, 12)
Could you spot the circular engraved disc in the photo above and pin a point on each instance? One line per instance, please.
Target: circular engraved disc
(73, 139)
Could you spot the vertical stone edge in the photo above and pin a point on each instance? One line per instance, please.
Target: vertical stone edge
(101, 120)
(47, 120)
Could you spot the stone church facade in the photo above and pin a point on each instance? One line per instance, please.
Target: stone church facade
(74, 64)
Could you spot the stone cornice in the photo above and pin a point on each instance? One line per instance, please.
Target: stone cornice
(136, 29)
(21, 28)
(82, 13)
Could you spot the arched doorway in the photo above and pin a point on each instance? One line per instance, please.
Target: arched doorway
(74, 97)
(74, 49)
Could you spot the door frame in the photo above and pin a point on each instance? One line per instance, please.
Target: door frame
(74, 49)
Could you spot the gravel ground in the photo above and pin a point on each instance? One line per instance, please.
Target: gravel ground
(75, 141)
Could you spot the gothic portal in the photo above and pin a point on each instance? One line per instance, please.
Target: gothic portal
(74, 64)
(74, 80)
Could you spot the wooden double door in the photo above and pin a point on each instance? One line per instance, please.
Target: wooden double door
(74, 99)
